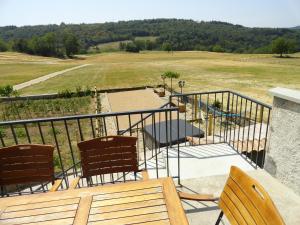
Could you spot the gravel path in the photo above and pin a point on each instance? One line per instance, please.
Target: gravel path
(46, 77)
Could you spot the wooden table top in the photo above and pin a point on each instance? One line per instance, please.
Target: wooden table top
(142, 202)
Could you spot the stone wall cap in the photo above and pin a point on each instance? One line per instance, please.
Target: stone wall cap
(285, 93)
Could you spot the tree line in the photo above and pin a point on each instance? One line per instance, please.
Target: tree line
(172, 35)
(50, 44)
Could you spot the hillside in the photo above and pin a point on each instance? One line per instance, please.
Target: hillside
(181, 34)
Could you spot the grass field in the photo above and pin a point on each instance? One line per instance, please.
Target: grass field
(16, 68)
(249, 74)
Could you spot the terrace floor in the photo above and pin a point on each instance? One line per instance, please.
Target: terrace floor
(205, 168)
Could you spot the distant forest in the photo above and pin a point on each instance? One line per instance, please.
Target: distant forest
(172, 34)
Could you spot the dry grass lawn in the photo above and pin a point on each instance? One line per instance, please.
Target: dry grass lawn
(249, 74)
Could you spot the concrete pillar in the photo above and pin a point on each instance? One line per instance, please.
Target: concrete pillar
(283, 151)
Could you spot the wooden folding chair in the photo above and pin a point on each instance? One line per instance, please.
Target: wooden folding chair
(243, 201)
(108, 155)
(27, 164)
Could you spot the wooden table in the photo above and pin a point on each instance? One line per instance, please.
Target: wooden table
(142, 202)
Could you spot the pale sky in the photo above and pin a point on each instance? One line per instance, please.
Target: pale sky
(252, 13)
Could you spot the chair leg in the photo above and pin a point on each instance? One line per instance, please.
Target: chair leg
(219, 218)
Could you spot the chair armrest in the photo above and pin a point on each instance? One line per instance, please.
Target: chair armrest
(74, 183)
(196, 197)
(56, 185)
(145, 175)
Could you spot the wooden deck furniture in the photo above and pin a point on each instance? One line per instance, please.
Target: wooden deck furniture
(243, 201)
(108, 155)
(176, 103)
(27, 164)
(159, 91)
(147, 202)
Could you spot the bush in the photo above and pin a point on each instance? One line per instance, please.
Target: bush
(67, 93)
(79, 92)
(20, 132)
(217, 104)
(131, 47)
(2, 133)
(217, 48)
(8, 91)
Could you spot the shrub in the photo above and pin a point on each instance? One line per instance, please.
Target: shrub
(6, 90)
(20, 132)
(67, 93)
(217, 104)
(131, 47)
(2, 132)
(79, 92)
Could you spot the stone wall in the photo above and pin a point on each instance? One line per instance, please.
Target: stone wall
(283, 152)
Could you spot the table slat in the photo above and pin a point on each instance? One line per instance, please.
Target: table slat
(38, 218)
(126, 206)
(127, 200)
(127, 213)
(33, 212)
(133, 219)
(38, 205)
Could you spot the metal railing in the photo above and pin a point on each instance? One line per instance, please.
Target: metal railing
(65, 132)
(228, 117)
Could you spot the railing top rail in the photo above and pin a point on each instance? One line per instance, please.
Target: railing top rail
(224, 91)
(198, 93)
(252, 99)
(87, 116)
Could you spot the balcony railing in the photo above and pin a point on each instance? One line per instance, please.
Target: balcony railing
(207, 117)
(65, 132)
(228, 117)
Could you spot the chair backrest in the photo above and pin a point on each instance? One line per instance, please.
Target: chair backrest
(244, 201)
(22, 164)
(110, 154)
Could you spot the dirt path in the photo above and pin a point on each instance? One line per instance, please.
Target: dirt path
(46, 77)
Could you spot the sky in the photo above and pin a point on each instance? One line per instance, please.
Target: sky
(251, 13)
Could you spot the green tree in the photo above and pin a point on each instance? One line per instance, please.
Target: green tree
(131, 47)
(171, 75)
(280, 46)
(217, 48)
(3, 46)
(71, 44)
(166, 46)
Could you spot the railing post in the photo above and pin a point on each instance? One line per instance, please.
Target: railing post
(195, 108)
(210, 124)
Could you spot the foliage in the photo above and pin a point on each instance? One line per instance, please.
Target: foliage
(7, 91)
(71, 44)
(166, 46)
(217, 104)
(2, 132)
(20, 132)
(26, 109)
(180, 34)
(50, 44)
(171, 75)
(79, 92)
(67, 93)
(217, 48)
(132, 47)
(3, 46)
(282, 46)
